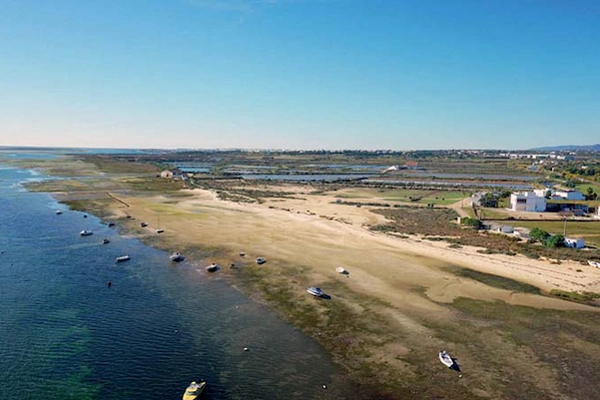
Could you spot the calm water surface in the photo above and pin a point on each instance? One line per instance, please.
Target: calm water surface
(65, 335)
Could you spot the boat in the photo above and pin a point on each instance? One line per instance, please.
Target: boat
(315, 291)
(194, 390)
(341, 270)
(123, 258)
(446, 359)
(58, 212)
(105, 241)
(86, 232)
(143, 224)
(261, 260)
(177, 257)
(594, 263)
(212, 267)
(160, 230)
(111, 224)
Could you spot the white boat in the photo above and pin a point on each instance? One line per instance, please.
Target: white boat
(341, 270)
(446, 359)
(212, 267)
(58, 212)
(177, 257)
(261, 260)
(194, 390)
(123, 258)
(86, 232)
(594, 263)
(315, 291)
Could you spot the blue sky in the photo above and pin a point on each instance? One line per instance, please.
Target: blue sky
(300, 74)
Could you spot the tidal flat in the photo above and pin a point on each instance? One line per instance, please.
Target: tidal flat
(399, 305)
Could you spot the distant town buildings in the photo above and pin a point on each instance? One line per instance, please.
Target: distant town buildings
(531, 156)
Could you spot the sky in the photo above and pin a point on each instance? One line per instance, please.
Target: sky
(300, 74)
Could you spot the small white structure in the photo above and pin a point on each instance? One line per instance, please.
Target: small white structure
(527, 201)
(574, 243)
(171, 173)
(568, 195)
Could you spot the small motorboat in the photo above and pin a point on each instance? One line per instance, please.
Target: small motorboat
(177, 257)
(122, 258)
(58, 212)
(315, 291)
(212, 267)
(261, 260)
(242, 254)
(105, 241)
(160, 230)
(86, 232)
(143, 224)
(594, 263)
(194, 390)
(111, 224)
(446, 359)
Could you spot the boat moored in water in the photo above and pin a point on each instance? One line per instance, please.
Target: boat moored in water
(58, 212)
(212, 267)
(105, 241)
(177, 257)
(194, 390)
(86, 232)
(123, 258)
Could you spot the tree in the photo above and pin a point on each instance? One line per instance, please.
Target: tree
(539, 234)
(555, 241)
(489, 200)
(590, 195)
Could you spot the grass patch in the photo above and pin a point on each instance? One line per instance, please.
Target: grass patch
(580, 297)
(495, 280)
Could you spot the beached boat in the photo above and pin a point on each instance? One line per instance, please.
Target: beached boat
(177, 257)
(160, 230)
(341, 270)
(111, 224)
(194, 390)
(594, 263)
(86, 232)
(105, 241)
(446, 359)
(212, 267)
(143, 224)
(123, 258)
(315, 291)
(261, 260)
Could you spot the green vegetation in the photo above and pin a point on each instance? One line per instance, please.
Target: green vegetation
(494, 280)
(436, 197)
(581, 297)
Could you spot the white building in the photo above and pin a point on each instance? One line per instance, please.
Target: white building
(527, 201)
(568, 195)
(574, 243)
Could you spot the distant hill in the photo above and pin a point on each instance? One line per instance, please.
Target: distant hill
(592, 147)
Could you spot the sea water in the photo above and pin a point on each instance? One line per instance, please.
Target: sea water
(64, 334)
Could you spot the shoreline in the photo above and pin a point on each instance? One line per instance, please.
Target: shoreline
(386, 318)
